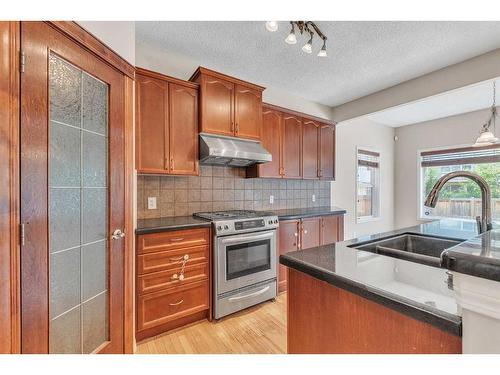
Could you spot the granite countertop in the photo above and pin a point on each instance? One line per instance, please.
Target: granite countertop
(165, 224)
(414, 289)
(299, 213)
(478, 256)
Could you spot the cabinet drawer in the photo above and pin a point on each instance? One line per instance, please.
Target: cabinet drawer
(171, 259)
(155, 309)
(149, 243)
(156, 281)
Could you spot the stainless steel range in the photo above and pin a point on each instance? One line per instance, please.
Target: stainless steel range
(244, 258)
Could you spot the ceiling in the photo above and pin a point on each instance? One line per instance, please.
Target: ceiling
(465, 99)
(363, 57)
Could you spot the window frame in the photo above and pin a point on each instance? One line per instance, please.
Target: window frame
(420, 194)
(376, 206)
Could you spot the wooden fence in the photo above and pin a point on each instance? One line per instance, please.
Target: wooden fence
(464, 208)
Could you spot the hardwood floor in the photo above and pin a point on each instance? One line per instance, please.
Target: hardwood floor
(258, 330)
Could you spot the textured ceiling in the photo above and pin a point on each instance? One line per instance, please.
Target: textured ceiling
(363, 57)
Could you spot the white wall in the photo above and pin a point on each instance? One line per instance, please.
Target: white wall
(182, 67)
(364, 133)
(450, 131)
(117, 35)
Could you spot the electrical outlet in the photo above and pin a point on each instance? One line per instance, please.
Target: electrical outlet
(314, 197)
(151, 203)
(271, 199)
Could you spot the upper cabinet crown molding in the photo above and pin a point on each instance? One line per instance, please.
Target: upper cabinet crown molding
(225, 77)
(228, 105)
(153, 74)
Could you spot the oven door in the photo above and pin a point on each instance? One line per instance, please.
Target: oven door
(245, 259)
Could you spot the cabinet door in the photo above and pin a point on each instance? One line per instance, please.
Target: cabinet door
(271, 141)
(292, 146)
(310, 149)
(327, 152)
(183, 105)
(151, 125)
(332, 229)
(288, 240)
(310, 232)
(248, 112)
(217, 106)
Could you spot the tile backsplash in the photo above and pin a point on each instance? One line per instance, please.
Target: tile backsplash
(225, 188)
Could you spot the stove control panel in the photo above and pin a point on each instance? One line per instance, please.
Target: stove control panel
(227, 227)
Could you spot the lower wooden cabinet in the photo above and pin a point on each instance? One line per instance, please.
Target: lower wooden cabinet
(304, 234)
(173, 280)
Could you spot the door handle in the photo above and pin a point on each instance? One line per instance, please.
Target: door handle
(117, 234)
(257, 293)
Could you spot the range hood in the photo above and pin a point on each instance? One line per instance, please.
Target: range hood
(231, 151)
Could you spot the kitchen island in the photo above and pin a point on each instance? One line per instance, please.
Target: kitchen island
(344, 300)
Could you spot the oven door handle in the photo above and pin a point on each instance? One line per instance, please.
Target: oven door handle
(238, 239)
(257, 293)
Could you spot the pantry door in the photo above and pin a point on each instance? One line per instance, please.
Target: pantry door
(72, 197)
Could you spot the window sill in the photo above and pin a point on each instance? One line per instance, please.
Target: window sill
(367, 219)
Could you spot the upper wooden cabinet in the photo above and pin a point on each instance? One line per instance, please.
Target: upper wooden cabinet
(292, 146)
(310, 149)
(272, 121)
(229, 106)
(166, 124)
(303, 147)
(327, 152)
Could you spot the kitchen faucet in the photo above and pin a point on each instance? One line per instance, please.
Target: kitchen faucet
(483, 222)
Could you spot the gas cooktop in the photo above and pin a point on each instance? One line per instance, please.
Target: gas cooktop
(232, 215)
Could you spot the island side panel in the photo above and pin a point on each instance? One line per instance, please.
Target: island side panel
(322, 318)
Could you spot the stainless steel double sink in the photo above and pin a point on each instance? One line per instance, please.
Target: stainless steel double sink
(414, 247)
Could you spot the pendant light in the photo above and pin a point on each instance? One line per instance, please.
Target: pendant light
(272, 26)
(486, 135)
(291, 38)
(308, 46)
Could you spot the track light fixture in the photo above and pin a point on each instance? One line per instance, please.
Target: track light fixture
(308, 27)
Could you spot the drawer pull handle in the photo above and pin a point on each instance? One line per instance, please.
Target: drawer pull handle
(178, 239)
(176, 303)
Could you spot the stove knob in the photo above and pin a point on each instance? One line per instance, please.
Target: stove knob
(219, 228)
(226, 227)
(276, 221)
(270, 222)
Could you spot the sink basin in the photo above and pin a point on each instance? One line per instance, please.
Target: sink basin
(413, 247)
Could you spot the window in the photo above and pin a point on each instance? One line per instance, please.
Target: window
(368, 185)
(460, 198)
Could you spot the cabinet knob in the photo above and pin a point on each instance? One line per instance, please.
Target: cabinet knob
(305, 232)
(296, 234)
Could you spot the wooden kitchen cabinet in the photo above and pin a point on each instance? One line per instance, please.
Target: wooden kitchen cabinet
(166, 124)
(310, 233)
(327, 152)
(306, 233)
(292, 146)
(151, 96)
(288, 240)
(310, 149)
(228, 106)
(164, 299)
(302, 146)
(248, 112)
(332, 229)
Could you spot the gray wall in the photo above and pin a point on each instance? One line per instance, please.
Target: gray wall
(224, 188)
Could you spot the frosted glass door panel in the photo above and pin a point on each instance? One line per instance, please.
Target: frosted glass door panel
(78, 209)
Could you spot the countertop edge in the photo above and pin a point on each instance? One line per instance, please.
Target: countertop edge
(312, 214)
(173, 227)
(446, 322)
